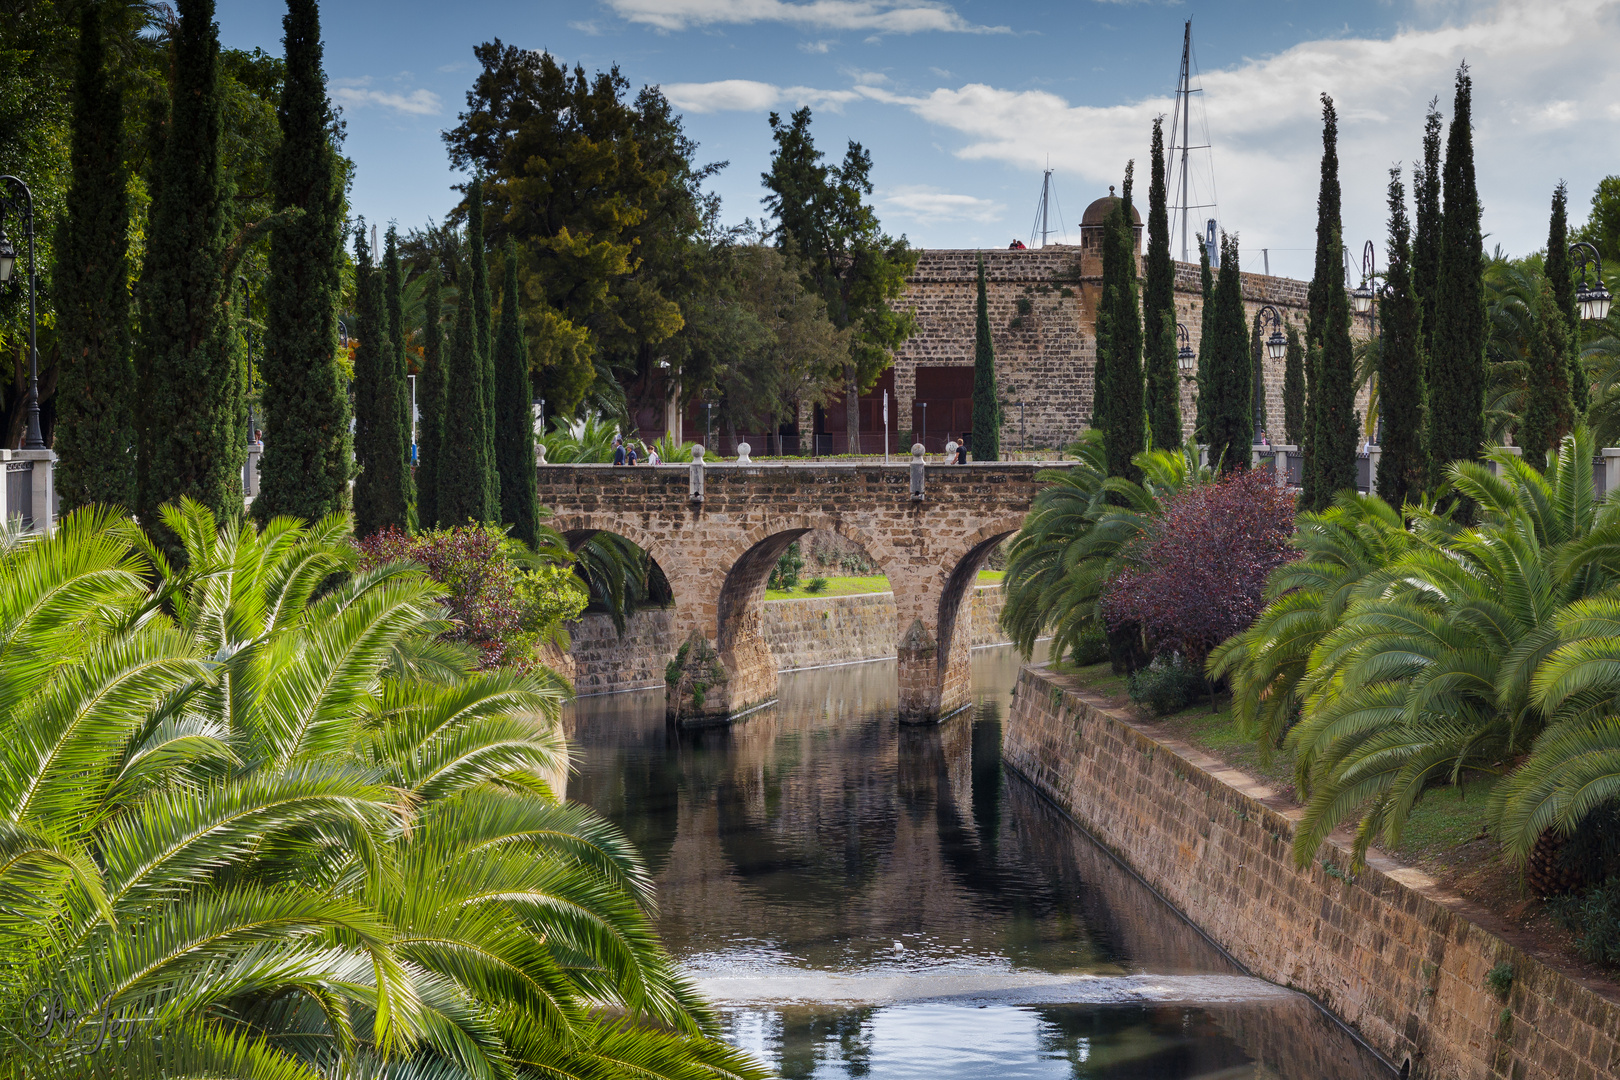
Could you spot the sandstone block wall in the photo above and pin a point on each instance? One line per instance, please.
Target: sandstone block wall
(1383, 950)
(809, 632)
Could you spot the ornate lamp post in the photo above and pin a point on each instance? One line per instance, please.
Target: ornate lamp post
(1593, 300)
(1276, 344)
(1186, 359)
(15, 198)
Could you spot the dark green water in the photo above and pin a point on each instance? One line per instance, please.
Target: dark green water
(869, 900)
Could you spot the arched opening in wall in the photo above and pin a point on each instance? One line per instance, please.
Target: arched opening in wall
(963, 578)
(824, 562)
(623, 578)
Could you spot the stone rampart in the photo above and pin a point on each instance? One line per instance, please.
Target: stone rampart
(1385, 950)
(808, 632)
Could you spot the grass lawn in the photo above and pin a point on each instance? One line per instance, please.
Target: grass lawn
(852, 586)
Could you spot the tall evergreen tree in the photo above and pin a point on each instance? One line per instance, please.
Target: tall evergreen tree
(1162, 381)
(1333, 435)
(514, 415)
(1426, 185)
(1119, 342)
(462, 475)
(95, 390)
(399, 369)
(1456, 367)
(1561, 275)
(190, 433)
(430, 403)
(1257, 367)
(1328, 275)
(478, 267)
(986, 445)
(1204, 402)
(379, 494)
(1294, 389)
(1548, 410)
(1231, 424)
(1402, 468)
(307, 463)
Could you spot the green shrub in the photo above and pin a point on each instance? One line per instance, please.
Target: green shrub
(816, 584)
(1593, 916)
(1092, 648)
(785, 576)
(1166, 685)
(1500, 979)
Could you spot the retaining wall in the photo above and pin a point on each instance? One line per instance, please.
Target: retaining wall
(1401, 961)
(808, 632)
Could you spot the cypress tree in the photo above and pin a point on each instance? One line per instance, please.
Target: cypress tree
(986, 445)
(1257, 363)
(1402, 468)
(399, 374)
(1204, 403)
(190, 434)
(1426, 239)
(514, 415)
(1333, 436)
(1561, 275)
(379, 497)
(1456, 367)
(1328, 276)
(95, 391)
(1231, 427)
(307, 459)
(1162, 381)
(1294, 389)
(430, 392)
(462, 475)
(1119, 341)
(479, 266)
(1548, 410)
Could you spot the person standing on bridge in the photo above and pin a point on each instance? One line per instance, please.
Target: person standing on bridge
(618, 449)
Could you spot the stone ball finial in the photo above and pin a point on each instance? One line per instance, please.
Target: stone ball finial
(540, 453)
(742, 454)
(917, 451)
(697, 452)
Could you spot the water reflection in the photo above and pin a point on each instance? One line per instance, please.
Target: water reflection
(824, 836)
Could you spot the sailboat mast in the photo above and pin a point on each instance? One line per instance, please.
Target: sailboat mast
(1184, 91)
(1046, 192)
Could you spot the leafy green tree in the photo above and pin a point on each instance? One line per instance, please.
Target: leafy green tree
(986, 404)
(478, 283)
(462, 474)
(190, 430)
(1119, 342)
(95, 397)
(1456, 367)
(1231, 422)
(1549, 413)
(379, 489)
(514, 415)
(1294, 389)
(1602, 228)
(1162, 383)
(399, 368)
(306, 465)
(858, 270)
(1326, 281)
(1206, 337)
(431, 392)
(1403, 471)
(1426, 240)
(1561, 274)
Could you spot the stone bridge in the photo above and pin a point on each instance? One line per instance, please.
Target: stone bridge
(718, 550)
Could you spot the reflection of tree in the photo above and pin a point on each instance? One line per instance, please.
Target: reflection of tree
(1119, 1041)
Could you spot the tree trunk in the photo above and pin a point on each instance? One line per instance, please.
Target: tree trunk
(852, 411)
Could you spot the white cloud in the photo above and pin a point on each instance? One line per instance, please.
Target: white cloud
(881, 16)
(746, 95)
(933, 205)
(1544, 85)
(589, 28)
(815, 47)
(359, 93)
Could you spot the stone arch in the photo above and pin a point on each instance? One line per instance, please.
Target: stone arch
(575, 528)
(962, 574)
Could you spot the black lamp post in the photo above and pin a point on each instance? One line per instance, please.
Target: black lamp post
(1186, 359)
(1276, 344)
(17, 199)
(1593, 300)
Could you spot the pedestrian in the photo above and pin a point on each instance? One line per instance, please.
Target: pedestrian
(962, 449)
(652, 455)
(630, 454)
(618, 449)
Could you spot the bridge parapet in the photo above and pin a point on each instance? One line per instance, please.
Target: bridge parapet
(717, 554)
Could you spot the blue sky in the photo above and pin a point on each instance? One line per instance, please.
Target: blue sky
(962, 103)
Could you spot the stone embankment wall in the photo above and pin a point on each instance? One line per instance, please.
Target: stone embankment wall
(808, 632)
(1402, 962)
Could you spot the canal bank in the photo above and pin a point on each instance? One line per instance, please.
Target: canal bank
(1385, 950)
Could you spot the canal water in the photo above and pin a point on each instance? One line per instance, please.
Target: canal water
(867, 900)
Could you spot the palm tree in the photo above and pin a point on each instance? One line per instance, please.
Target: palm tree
(257, 823)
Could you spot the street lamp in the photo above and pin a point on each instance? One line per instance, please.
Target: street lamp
(1186, 359)
(1594, 300)
(1364, 293)
(22, 201)
(1276, 344)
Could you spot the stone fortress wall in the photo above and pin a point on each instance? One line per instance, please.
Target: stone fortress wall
(1043, 314)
